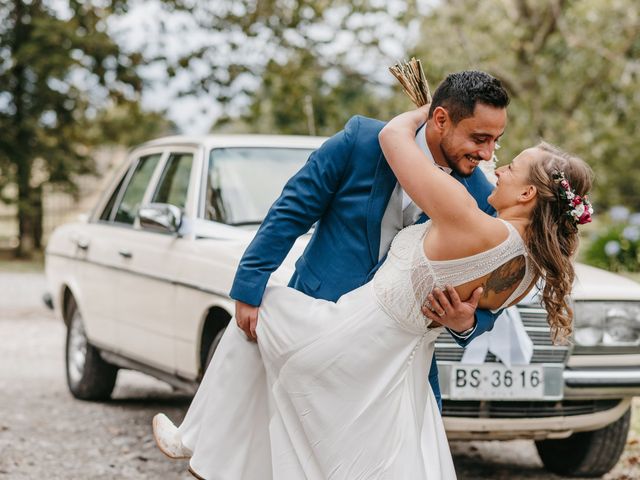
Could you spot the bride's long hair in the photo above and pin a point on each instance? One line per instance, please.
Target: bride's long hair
(552, 235)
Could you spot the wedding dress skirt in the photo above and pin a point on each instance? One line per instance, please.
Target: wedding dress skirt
(331, 391)
(335, 390)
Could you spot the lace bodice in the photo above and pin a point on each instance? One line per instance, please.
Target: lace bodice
(407, 276)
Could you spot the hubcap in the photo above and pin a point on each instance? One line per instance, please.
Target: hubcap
(77, 352)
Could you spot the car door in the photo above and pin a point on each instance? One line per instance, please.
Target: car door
(97, 272)
(147, 293)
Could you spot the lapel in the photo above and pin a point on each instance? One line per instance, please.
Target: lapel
(383, 184)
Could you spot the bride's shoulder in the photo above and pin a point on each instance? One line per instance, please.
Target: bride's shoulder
(481, 232)
(493, 229)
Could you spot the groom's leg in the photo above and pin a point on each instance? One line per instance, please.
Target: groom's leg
(433, 381)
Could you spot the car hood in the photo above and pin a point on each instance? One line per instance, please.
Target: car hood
(231, 241)
(591, 283)
(597, 284)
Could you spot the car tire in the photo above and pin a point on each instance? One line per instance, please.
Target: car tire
(213, 346)
(586, 454)
(89, 377)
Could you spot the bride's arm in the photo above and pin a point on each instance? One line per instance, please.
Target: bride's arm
(438, 194)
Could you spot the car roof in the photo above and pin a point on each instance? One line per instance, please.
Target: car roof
(217, 141)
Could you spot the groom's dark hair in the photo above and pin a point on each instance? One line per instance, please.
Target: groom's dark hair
(459, 93)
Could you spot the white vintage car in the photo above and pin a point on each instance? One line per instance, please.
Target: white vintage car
(143, 284)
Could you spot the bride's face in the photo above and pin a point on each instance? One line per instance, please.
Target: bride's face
(513, 186)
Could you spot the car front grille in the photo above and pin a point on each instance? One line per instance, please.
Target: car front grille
(524, 409)
(534, 319)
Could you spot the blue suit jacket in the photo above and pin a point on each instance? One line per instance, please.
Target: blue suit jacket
(344, 187)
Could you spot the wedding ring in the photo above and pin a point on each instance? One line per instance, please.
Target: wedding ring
(441, 314)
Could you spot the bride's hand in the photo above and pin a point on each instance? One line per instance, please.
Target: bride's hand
(418, 116)
(403, 125)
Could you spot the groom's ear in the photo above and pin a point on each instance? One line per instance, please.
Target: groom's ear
(440, 119)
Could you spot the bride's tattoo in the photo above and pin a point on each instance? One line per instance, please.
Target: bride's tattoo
(505, 277)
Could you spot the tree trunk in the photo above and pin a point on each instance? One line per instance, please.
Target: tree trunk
(27, 214)
(29, 200)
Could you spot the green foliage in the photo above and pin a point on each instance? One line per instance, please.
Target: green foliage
(571, 66)
(312, 105)
(60, 76)
(302, 66)
(617, 246)
(126, 123)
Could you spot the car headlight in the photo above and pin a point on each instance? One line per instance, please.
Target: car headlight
(607, 324)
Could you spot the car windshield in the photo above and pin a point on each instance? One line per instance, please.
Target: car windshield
(243, 182)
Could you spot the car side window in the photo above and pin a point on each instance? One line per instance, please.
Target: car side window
(174, 183)
(106, 213)
(130, 203)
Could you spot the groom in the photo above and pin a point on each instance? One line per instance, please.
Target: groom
(347, 187)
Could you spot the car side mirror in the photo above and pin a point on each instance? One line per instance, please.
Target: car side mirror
(160, 217)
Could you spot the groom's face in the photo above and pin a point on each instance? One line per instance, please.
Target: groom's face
(472, 140)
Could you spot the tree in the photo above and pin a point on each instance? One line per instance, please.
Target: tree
(58, 71)
(572, 68)
(297, 97)
(300, 66)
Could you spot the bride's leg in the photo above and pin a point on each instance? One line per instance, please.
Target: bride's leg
(226, 425)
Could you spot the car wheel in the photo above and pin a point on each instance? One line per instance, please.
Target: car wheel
(89, 377)
(586, 454)
(214, 345)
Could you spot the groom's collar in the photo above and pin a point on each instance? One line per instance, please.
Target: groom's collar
(421, 140)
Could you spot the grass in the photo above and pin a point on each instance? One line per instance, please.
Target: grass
(8, 263)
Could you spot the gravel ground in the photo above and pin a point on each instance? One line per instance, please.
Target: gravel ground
(45, 433)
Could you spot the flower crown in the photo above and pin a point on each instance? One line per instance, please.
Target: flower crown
(579, 208)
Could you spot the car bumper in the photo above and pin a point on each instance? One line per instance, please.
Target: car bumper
(601, 382)
(591, 399)
(465, 428)
(596, 377)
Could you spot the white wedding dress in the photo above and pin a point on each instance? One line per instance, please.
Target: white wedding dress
(335, 390)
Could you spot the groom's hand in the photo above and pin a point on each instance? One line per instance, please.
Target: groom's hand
(247, 319)
(447, 309)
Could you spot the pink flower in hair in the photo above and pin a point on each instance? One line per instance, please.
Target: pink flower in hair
(580, 209)
(585, 218)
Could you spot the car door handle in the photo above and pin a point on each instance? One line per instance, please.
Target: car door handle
(81, 242)
(124, 253)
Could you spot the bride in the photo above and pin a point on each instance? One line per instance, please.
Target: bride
(338, 390)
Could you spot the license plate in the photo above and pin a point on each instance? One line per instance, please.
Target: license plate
(496, 381)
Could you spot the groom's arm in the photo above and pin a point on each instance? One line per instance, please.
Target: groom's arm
(484, 320)
(303, 201)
